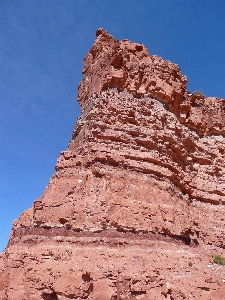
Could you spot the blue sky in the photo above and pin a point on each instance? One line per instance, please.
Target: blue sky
(42, 46)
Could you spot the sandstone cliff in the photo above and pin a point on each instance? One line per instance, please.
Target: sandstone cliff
(136, 207)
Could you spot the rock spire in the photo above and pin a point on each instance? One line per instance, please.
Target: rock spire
(135, 209)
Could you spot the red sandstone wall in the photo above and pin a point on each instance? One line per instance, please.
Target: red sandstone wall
(135, 209)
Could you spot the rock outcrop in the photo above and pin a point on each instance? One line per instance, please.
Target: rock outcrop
(136, 207)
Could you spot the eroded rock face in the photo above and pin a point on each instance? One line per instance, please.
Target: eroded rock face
(135, 209)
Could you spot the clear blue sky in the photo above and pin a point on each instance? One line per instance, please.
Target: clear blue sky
(43, 43)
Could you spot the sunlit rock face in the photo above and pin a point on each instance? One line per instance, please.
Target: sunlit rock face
(136, 207)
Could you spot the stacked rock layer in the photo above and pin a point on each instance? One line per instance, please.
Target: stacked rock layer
(136, 207)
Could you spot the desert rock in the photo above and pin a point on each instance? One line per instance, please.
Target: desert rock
(136, 207)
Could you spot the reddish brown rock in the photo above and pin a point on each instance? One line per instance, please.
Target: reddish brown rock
(135, 209)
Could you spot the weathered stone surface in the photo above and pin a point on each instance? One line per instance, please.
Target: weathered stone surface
(135, 209)
(128, 66)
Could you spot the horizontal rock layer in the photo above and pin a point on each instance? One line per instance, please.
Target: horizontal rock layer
(135, 209)
(101, 266)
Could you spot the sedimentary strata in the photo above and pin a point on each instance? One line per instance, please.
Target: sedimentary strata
(135, 209)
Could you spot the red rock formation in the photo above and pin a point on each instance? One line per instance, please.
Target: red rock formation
(135, 209)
